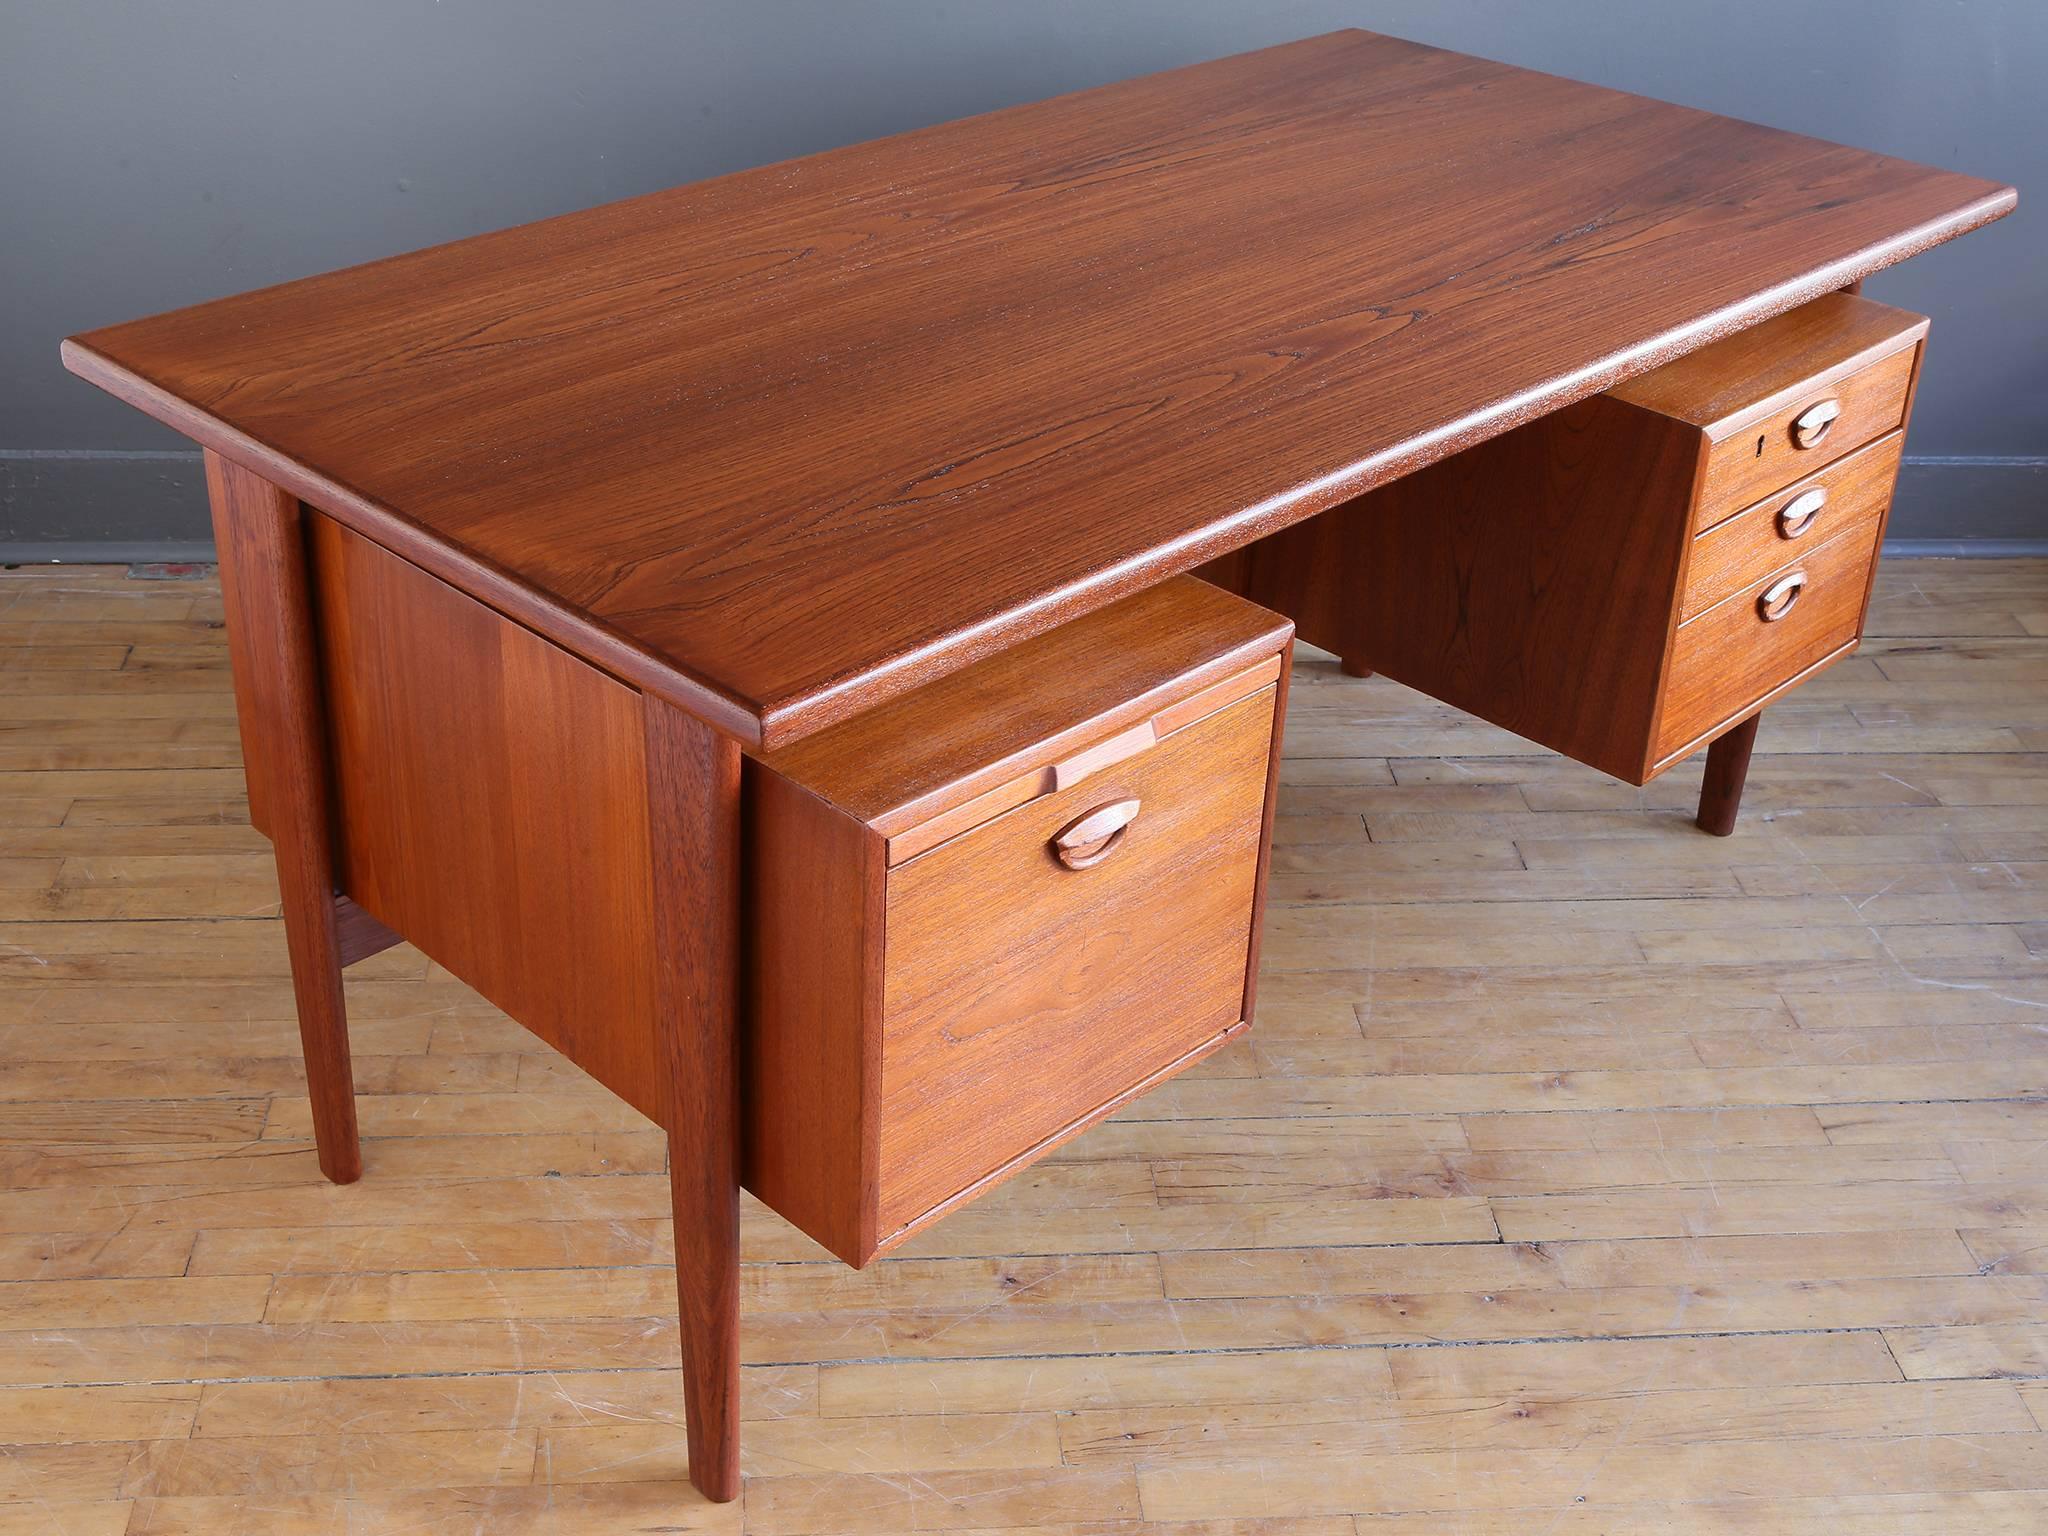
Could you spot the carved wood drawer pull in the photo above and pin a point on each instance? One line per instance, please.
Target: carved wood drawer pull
(1779, 598)
(1812, 425)
(1798, 514)
(1088, 840)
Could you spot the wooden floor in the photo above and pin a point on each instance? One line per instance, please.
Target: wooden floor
(1584, 1175)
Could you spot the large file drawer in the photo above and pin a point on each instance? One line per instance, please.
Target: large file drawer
(985, 915)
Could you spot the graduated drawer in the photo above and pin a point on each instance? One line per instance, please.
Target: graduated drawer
(1782, 399)
(984, 915)
(1735, 655)
(1741, 550)
(1799, 430)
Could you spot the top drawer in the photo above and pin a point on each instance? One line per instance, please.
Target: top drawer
(1780, 400)
(1793, 434)
(1039, 717)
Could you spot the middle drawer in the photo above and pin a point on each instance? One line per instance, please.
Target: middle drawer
(984, 915)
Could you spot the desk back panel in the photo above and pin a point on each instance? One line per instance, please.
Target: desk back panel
(492, 805)
(1527, 580)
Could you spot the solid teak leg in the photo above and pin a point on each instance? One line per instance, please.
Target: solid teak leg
(1727, 768)
(693, 784)
(265, 588)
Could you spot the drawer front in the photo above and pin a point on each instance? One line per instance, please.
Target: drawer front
(1744, 549)
(1732, 656)
(1022, 996)
(1829, 417)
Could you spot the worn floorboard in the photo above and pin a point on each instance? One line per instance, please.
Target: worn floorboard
(1584, 1175)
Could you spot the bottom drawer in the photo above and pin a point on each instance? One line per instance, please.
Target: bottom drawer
(1730, 658)
(1022, 997)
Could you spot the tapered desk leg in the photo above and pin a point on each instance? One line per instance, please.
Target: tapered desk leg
(693, 776)
(1351, 666)
(1727, 768)
(266, 593)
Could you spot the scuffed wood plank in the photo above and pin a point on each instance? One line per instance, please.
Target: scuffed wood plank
(600, 1509)
(792, 1448)
(87, 1415)
(2012, 1348)
(517, 1402)
(1177, 1436)
(1535, 1480)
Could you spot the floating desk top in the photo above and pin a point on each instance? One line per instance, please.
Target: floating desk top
(782, 444)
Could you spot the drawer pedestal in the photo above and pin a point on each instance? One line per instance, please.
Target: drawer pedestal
(1628, 579)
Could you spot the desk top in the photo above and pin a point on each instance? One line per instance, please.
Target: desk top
(785, 443)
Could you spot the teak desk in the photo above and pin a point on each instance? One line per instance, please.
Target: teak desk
(804, 518)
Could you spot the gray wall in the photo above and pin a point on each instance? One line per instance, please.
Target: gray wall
(153, 155)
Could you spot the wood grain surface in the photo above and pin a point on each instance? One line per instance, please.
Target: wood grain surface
(780, 445)
(1582, 1174)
